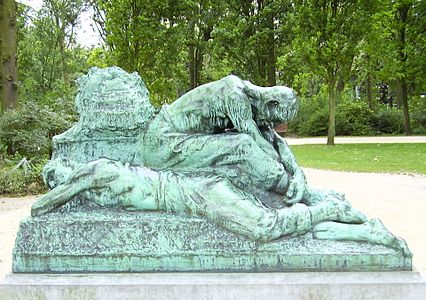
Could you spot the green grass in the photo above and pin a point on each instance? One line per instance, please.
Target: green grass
(380, 158)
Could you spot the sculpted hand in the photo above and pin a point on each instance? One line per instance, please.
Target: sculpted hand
(296, 189)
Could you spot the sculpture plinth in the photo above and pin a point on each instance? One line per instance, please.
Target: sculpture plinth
(119, 241)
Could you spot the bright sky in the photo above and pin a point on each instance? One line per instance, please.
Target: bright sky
(86, 33)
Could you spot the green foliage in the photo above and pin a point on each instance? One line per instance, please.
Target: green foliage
(28, 131)
(179, 45)
(99, 57)
(48, 58)
(20, 181)
(251, 35)
(418, 123)
(48, 63)
(147, 37)
(312, 117)
(418, 119)
(326, 36)
(316, 125)
(354, 118)
(378, 158)
(388, 121)
(394, 52)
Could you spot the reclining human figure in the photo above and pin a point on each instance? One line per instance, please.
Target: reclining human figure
(113, 184)
(210, 153)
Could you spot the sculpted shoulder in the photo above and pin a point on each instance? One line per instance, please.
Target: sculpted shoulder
(211, 91)
(214, 105)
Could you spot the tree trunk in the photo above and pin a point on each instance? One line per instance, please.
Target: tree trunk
(193, 56)
(404, 100)
(270, 51)
(331, 110)
(196, 50)
(8, 81)
(369, 92)
(191, 66)
(198, 64)
(403, 17)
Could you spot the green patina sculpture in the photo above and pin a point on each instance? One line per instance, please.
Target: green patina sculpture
(111, 184)
(212, 154)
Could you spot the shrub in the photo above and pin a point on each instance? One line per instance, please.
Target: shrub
(418, 115)
(354, 118)
(28, 130)
(388, 121)
(312, 118)
(418, 122)
(20, 181)
(316, 125)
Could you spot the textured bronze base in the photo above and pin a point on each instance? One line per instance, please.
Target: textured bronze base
(84, 240)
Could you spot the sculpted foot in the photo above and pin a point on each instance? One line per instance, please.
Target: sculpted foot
(42, 206)
(53, 199)
(314, 196)
(349, 214)
(380, 235)
(345, 213)
(372, 231)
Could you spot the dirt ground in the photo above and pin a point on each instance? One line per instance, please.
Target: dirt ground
(398, 200)
(12, 210)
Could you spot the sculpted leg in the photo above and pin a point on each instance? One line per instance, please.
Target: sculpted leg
(336, 210)
(221, 202)
(372, 231)
(314, 196)
(107, 183)
(78, 182)
(55, 198)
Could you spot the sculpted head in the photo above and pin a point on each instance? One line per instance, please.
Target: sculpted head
(274, 105)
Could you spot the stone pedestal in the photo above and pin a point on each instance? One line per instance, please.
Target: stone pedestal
(339, 286)
(105, 240)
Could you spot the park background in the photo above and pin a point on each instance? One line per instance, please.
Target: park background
(357, 66)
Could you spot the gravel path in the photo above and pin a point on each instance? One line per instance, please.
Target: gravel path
(398, 200)
(12, 210)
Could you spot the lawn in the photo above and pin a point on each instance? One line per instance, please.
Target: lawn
(381, 158)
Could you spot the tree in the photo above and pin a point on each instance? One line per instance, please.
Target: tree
(407, 36)
(8, 54)
(49, 60)
(402, 12)
(147, 37)
(327, 33)
(250, 36)
(64, 15)
(200, 18)
(49, 57)
(393, 51)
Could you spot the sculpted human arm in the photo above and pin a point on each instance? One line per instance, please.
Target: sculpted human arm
(263, 143)
(247, 125)
(297, 184)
